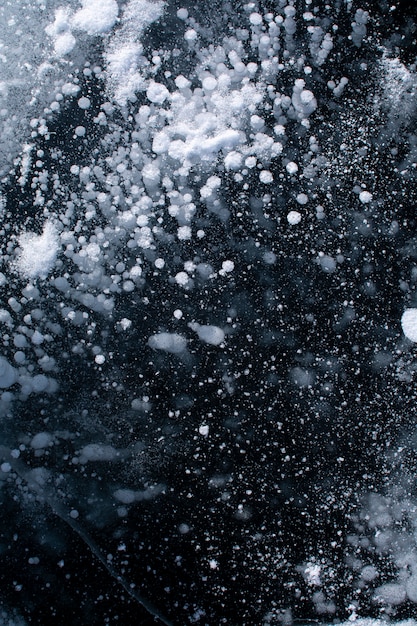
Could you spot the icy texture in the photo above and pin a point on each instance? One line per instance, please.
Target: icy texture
(208, 313)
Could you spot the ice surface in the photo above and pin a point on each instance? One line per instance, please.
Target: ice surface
(207, 404)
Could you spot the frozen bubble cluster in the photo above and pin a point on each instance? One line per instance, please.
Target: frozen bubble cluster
(208, 312)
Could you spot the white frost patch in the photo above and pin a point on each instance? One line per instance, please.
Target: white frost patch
(60, 32)
(212, 335)
(312, 574)
(123, 56)
(96, 16)
(409, 324)
(38, 252)
(168, 342)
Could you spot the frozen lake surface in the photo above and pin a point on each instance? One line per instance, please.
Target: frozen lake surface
(208, 312)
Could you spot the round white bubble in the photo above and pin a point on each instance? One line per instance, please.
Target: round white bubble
(294, 217)
(157, 93)
(409, 324)
(266, 177)
(365, 197)
(291, 167)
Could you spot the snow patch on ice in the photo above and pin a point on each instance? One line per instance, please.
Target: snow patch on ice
(38, 253)
(96, 16)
